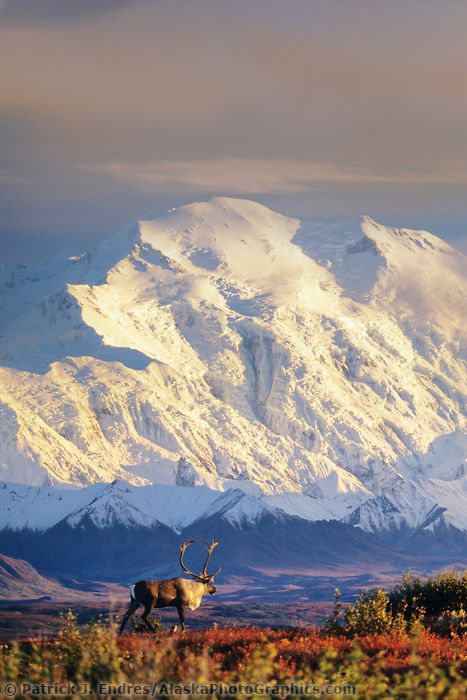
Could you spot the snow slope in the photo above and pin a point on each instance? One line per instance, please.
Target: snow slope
(228, 346)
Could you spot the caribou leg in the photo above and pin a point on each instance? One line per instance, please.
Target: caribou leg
(133, 606)
(181, 615)
(144, 616)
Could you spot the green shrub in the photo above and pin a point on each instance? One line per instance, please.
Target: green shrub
(332, 623)
(446, 592)
(452, 623)
(438, 603)
(371, 614)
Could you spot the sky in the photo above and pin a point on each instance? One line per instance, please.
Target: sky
(112, 110)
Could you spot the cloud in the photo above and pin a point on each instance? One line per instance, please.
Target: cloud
(255, 176)
(29, 12)
(8, 177)
(317, 107)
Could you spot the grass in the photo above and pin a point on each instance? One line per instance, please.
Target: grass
(416, 665)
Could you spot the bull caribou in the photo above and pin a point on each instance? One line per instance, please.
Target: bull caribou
(178, 592)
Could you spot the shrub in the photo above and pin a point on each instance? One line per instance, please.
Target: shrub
(438, 603)
(332, 624)
(446, 592)
(371, 614)
(452, 623)
(137, 624)
(378, 666)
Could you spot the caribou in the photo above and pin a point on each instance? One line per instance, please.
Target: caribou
(177, 592)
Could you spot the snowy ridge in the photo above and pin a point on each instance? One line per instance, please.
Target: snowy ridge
(317, 370)
(179, 507)
(119, 503)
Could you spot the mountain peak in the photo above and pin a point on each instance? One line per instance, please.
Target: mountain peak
(416, 241)
(240, 346)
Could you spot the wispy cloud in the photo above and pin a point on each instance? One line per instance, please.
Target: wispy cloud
(7, 176)
(254, 176)
(52, 11)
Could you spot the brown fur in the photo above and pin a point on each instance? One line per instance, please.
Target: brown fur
(179, 593)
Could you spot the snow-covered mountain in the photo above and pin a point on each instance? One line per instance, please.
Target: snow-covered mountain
(107, 505)
(278, 366)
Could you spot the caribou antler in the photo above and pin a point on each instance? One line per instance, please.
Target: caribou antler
(183, 548)
(210, 547)
(203, 576)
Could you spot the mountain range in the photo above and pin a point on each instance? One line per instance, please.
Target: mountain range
(226, 363)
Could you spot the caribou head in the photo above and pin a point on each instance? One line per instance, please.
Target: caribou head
(203, 577)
